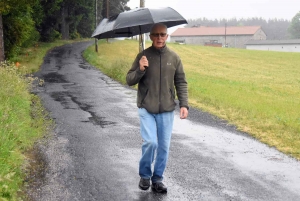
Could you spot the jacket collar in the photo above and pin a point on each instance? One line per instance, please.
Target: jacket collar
(161, 50)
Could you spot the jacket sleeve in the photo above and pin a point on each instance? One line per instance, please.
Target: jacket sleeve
(134, 74)
(181, 85)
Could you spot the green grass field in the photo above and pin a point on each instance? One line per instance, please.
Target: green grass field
(258, 91)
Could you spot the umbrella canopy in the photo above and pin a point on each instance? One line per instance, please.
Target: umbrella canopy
(137, 21)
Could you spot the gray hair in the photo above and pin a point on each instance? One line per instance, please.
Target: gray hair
(158, 25)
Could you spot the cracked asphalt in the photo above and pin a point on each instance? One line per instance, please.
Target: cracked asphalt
(94, 150)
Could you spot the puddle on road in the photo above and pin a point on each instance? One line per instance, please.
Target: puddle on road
(58, 53)
(83, 106)
(67, 100)
(47, 60)
(54, 78)
(85, 66)
(63, 98)
(100, 120)
(110, 82)
(59, 96)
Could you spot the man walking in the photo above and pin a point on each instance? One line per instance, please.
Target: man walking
(158, 72)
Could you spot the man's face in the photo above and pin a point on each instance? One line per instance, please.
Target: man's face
(159, 36)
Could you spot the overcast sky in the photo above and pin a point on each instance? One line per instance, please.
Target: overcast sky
(217, 9)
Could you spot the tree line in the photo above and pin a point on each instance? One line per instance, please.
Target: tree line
(25, 22)
(275, 29)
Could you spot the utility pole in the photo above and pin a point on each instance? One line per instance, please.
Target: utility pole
(107, 13)
(142, 36)
(96, 40)
(225, 34)
(107, 9)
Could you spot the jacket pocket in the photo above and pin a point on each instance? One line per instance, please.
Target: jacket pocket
(172, 94)
(143, 96)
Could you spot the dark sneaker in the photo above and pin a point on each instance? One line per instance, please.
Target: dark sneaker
(144, 184)
(159, 187)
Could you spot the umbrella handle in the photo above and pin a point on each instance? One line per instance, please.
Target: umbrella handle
(142, 37)
(143, 50)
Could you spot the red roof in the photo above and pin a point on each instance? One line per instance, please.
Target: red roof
(216, 31)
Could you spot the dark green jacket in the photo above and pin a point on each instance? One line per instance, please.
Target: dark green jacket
(156, 85)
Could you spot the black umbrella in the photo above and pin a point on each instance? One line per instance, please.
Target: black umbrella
(137, 21)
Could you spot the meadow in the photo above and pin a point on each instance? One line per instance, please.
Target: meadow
(257, 91)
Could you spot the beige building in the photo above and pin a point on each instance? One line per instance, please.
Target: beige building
(275, 45)
(235, 37)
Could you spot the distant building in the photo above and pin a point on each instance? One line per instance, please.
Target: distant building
(218, 36)
(275, 45)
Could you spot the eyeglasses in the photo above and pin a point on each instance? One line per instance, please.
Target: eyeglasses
(158, 34)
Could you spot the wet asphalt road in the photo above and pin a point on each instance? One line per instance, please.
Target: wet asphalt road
(95, 148)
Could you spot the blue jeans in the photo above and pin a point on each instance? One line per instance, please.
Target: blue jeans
(156, 131)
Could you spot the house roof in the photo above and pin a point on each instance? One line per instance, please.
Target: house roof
(216, 31)
(273, 42)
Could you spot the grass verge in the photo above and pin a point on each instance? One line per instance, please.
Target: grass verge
(258, 91)
(23, 119)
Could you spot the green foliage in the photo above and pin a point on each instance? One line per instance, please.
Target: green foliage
(79, 21)
(75, 35)
(27, 21)
(85, 27)
(294, 28)
(33, 38)
(38, 13)
(7, 6)
(51, 35)
(19, 30)
(23, 119)
(18, 130)
(49, 27)
(84, 23)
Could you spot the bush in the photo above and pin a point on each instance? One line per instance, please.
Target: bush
(18, 30)
(33, 39)
(75, 35)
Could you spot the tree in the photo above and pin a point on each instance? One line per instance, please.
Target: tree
(4, 9)
(294, 28)
(67, 19)
(2, 57)
(77, 16)
(82, 18)
(85, 22)
(49, 26)
(22, 22)
(15, 13)
(115, 7)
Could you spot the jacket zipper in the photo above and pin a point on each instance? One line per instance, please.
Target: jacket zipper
(159, 83)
